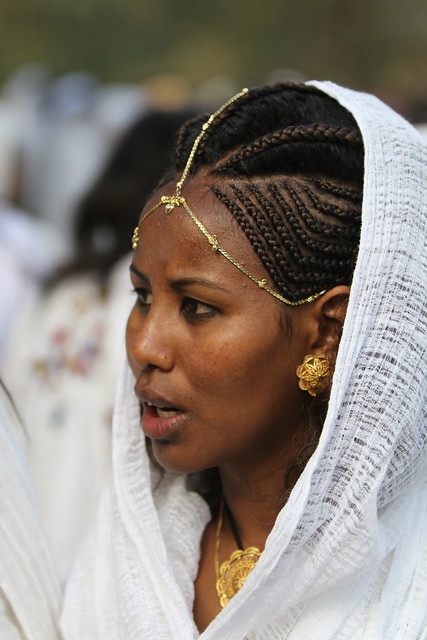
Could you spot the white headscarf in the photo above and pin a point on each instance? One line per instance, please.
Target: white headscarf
(29, 592)
(347, 557)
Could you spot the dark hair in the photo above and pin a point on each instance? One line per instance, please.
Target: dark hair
(288, 162)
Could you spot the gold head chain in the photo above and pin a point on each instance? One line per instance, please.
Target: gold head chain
(177, 200)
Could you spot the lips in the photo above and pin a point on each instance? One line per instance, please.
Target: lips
(161, 418)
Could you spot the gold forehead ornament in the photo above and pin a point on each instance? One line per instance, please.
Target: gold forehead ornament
(177, 200)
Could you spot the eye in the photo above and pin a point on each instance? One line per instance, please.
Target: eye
(194, 309)
(144, 297)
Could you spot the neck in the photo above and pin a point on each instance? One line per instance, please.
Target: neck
(256, 491)
(254, 506)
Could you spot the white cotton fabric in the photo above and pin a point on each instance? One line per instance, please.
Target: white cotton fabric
(29, 591)
(347, 557)
(64, 384)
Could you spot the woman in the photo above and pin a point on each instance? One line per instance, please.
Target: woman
(314, 490)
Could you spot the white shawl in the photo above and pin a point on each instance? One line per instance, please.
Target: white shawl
(29, 591)
(347, 557)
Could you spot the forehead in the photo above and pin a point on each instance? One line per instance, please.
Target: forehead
(175, 242)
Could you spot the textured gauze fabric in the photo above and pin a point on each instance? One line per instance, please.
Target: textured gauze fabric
(29, 589)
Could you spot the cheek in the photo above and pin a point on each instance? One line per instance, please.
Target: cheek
(236, 368)
(130, 340)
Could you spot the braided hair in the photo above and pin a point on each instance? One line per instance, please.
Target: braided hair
(288, 162)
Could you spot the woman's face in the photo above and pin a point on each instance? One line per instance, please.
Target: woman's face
(213, 358)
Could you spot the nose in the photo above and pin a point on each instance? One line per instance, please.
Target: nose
(149, 341)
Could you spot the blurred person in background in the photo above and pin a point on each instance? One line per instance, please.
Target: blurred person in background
(30, 248)
(54, 135)
(65, 353)
(71, 124)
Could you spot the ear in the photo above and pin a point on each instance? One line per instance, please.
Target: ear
(330, 311)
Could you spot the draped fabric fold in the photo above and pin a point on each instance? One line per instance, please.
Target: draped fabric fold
(347, 557)
(29, 589)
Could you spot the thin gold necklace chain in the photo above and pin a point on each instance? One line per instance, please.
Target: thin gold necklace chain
(213, 241)
(176, 201)
(205, 127)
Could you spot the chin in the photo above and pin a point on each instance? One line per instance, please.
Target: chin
(171, 457)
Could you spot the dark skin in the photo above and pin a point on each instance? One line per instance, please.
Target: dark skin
(255, 501)
(205, 340)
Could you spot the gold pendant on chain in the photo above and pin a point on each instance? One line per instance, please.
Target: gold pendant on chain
(233, 573)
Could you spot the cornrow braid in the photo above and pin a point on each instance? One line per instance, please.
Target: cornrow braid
(287, 162)
(237, 123)
(350, 194)
(252, 232)
(295, 219)
(301, 248)
(314, 133)
(238, 213)
(336, 211)
(250, 217)
(309, 214)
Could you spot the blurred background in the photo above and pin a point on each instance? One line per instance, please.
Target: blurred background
(377, 45)
(76, 73)
(91, 95)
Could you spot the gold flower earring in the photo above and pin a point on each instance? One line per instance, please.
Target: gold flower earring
(314, 373)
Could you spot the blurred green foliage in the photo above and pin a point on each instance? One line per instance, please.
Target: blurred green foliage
(376, 45)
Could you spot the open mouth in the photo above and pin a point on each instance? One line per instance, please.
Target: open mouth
(163, 412)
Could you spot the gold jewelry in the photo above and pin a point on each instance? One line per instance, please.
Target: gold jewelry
(314, 373)
(135, 238)
(177, 200)
(232, 574)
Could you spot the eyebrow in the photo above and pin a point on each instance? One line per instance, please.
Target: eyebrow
(182, 283)
(140, 275)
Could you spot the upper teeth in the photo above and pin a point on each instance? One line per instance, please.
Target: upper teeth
(163, 412)
(167, 413)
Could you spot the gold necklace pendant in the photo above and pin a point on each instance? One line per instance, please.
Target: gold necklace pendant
(233, 573)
